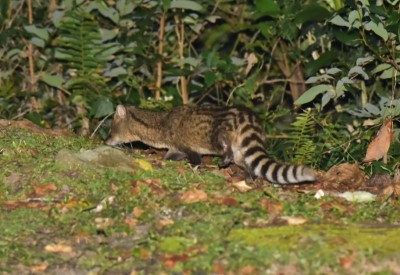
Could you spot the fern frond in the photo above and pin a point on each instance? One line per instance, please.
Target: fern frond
(80, 42)
(301, 137)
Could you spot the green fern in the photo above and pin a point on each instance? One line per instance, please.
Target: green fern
(81, 49)
(301, 137)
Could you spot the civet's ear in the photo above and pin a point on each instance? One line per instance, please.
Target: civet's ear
(121, 111)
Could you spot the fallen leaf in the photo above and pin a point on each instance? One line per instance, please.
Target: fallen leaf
(248, 270)
(44, 189)
(393, 188)
(58, 248)
(348, 260)
(219, 268)
(251, 61)
(144, 164)
(39, 268)
(131, 223)
(344, 177)
(228, 201)
(103, 223)
(379, 146)
(273, 208)
(293, 220)
(242, 186)
(170, 261)
(327, 207)
(12, 205)
(193, 196)
(71, 204)
(137, 212)
(165, 222)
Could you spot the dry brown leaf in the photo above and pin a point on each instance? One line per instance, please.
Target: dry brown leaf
(393, 188)
(39, 268)
(131, 223)
(58, 248)
(11, 205)
(248, 270)
(137, 212)
(251, 61)
(103, 223)
(242, 186)
(171, 260)
(165, 222)
(348, 260)
(344, 177)
(273, 208)
(379, 146)
(42, 190)
(228, 201)
(219, 268)
(193, 196)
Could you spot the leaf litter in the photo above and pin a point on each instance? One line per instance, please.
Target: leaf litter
(156, 216)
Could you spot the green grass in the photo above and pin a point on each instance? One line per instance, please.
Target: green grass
(149, 229)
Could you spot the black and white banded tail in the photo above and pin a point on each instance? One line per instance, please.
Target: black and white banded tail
(254, 158)
(257, 161)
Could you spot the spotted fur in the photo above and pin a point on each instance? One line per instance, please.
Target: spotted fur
(234, 133)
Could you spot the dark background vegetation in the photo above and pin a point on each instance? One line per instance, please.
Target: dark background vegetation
(323, 75)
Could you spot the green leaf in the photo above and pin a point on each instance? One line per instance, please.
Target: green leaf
(381, 67)
(311, 93)
(333, 71)
(116, 72)
(102, 107)
(339, 21)
(125, 7)
(267, 7)
(52, 80)
(312, 13)
(351, 38)
(325, 60)
(267, 29)
(194, 62)
(37, 42)
(210, 78)
(186, 5)
(57, 16)
(39, 32)
(12, 53)
(377, 29)
(314, 79)
(354, 19)
(326, 98)
(166, 4)
(107, 34)
(362, 61)
(389, 73)
(104, 10)
(357, 70)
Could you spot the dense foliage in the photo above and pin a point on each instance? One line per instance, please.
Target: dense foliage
(68, 63)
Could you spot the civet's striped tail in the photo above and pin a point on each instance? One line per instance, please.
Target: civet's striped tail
(257, 161)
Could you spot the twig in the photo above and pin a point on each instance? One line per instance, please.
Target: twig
(160, 52)
(30, 46)
(98, 126)
(180, 31)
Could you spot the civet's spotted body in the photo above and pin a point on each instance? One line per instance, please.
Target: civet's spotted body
(189, 132)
